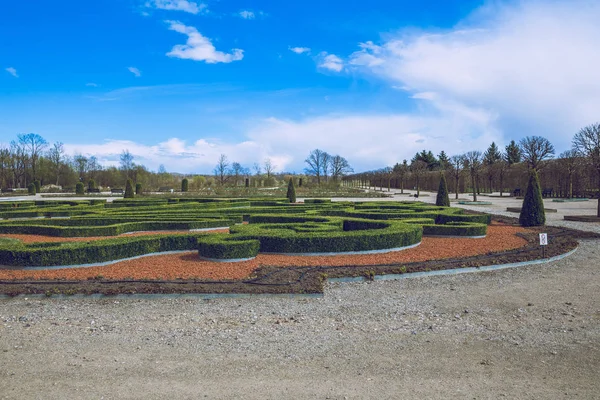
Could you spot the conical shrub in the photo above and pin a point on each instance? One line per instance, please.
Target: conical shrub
(185, 185)
(532, 212)
(291, 192)
(129, 190)
(442, 199)
(31, 188)
(138, 188)
(79, 188)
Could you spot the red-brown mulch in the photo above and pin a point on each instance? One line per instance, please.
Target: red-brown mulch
(189, 266)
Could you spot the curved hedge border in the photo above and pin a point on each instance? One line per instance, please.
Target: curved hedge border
(275, 227)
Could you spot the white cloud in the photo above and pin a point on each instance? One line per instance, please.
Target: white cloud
(200, 48)
(191, 7)
(330, 62)
(300, 50)
(246, 14)
(12, 71)
(135, 71)
(533, 64)
(91, 84)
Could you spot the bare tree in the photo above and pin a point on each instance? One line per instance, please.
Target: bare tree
(339, 167)
(4, 167)
(221, 169)
(401, 171)
(418, 168)
(237, 170)
(586, 143)
(472, 162)
(126, 163)
(569, 161)
(34, 145)
(315, 164)
(269, 167)
(18, 163)
(80, 163)
(456, 165)
(325, 164)
(56, 156)
(257, 169)
(536, 149)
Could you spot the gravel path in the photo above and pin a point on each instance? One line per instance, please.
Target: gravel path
(526, 333)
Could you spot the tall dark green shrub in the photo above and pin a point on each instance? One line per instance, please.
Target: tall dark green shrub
(129, 190)
(532, 212)
(79, 188)
(291, 192)
(91, 185)
(442, 196)
(184, 185)
(31, 188)
(38, 186)
(138, 188)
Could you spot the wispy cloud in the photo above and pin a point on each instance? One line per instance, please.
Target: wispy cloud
(135, 71)
(530, 63)
(246, 14)
(300, 50)
(188, 6)
(91, 84)
(12, 71)
(330, 62)
(200, 48)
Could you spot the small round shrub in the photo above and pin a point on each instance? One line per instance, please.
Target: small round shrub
(91, 184)
(138, 188)
(129, 194)
(185, 185)
(31, 188)
(79, 188)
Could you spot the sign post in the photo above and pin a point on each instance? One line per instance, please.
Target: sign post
(543, 243)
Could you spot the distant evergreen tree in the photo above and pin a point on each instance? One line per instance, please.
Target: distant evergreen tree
(79, 188)
(31, 188)
(428, 158)
(184, 185)
(443, 160)
(513, 153)
(532, 212)
(442, 200)
(38, 186)
(138, 188)
(129, 194)
(91, 184)
(491, 157)
(291, 191)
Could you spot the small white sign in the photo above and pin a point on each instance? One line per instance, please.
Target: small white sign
(543, 239)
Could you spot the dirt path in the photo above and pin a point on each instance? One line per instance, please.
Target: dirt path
(527, 333)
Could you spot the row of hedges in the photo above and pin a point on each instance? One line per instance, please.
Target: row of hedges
(76, 253)
(466, 229)
(351, 236)
(111, 230)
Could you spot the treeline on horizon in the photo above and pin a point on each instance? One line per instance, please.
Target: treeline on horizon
(576, 172)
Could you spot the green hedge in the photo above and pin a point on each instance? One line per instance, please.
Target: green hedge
(75, 253)
(456, 229)
(317, 201)
(223, 247)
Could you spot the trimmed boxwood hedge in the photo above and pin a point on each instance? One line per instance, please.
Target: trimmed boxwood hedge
(75, 253)
(455, 229)
(225, 247)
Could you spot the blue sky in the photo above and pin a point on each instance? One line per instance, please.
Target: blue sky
(178, 82)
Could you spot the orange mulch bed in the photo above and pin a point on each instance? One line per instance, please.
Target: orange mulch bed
(189, 266)
(55, 239)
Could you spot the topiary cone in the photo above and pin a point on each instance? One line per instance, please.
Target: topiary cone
(129, 190)
(291, 191)
(442, 200)
(532, 212)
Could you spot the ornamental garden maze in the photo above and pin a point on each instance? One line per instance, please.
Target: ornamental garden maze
(243, 229)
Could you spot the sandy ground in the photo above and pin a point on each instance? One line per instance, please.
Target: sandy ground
(524, 333)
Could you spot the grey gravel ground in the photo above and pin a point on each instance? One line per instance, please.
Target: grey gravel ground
(524, 333)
